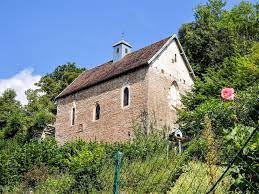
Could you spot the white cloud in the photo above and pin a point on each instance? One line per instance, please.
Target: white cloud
(20, 82)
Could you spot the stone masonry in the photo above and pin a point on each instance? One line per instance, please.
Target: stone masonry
(149, 92)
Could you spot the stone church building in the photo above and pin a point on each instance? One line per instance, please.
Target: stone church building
(143, 86)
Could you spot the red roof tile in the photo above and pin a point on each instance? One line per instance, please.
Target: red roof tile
(110, 70)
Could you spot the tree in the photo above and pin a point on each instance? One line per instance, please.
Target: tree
(52, 84)
(240, 73)
(39, 111)
(12, 115)
(217, 34)
(41, 108)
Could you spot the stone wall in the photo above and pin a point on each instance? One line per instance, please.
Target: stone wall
(150, 93)
(166, 69)
(116, 121)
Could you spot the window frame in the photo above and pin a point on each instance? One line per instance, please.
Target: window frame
(95, 112)
(73, 115)
(122, 97)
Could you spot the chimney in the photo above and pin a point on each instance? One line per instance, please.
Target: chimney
(120, 49)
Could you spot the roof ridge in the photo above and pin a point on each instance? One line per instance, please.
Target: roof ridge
(100, 65)
(111, 69)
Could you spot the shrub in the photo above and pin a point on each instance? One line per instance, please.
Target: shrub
(246, 166)
(240, 73)
(84, 161)
(35, 175)
(223, 115)
(196, 179)
(18, 159)
(62, 183)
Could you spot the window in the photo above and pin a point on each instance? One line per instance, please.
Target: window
(126, 96)
(73, 116)
(174, 57)
(97, 112)
(126, 50)
(118, 50)
(175, 98)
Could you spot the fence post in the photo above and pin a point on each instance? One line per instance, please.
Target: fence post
(118, 159)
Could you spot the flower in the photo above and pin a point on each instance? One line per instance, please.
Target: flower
(228, 93)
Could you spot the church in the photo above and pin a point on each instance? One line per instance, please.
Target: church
(136, 87)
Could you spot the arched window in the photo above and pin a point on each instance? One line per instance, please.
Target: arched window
(175, 98)
(73, 116)
(97, 111)
(126, 96)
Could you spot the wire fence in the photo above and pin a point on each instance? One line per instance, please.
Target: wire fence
(154, 163)
(162, 166)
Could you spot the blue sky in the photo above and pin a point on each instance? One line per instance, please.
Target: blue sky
(38, 35)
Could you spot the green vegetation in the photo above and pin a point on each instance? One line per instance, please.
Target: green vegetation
(222, 45)
(217, 34)
(196, 179)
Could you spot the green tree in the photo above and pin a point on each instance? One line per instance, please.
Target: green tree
(52, 84)
(217, 33)
(241, 73)
(39, 111)
(41, 108)
(12, 115)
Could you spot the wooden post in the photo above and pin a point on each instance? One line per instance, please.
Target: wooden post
(116, 186)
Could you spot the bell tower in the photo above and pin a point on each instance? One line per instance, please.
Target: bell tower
(120, 49)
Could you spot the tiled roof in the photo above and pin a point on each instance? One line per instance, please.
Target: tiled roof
(109, 70)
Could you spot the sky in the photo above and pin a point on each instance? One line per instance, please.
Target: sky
(38, 35)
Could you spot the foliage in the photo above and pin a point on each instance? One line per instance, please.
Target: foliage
(211, 148)
(246, 166)
(12, 116)
(84, 166)
(24, 123)
(52, 84)
(39, 111)
(218, 33)
(241, 73)
(35, 175)
(16, 160)
(196, 179)
(222, 46)
(56, 184)
(84, 161)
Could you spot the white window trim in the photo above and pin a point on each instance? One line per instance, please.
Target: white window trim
(122, 97)
(71, 114)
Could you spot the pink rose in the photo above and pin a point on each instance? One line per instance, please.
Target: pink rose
(227, 93)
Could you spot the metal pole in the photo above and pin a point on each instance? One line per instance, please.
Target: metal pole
(167, 151)
(118, 159)
(180, 146)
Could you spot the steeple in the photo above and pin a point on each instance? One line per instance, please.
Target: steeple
(120, 49)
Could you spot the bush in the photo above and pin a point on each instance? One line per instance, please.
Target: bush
(84, 161)
(17, 159)
(246, 166)
(34, 176)
(62, 183)
(224, 115)
(196, 179)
